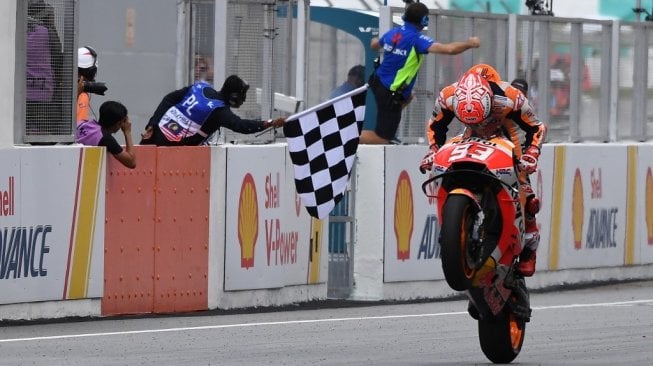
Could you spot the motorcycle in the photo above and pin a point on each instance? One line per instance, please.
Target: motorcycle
(481, 210)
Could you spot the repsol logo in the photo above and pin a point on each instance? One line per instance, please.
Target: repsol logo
(23, 251)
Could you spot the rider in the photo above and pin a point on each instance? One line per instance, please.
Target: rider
(489, 107)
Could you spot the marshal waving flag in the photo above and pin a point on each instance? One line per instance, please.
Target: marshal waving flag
(322, 142)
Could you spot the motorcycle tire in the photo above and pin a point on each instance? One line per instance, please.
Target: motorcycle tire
(459, 213)
(501, 337)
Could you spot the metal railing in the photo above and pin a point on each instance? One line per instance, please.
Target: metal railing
(49, 66)
(589, 79)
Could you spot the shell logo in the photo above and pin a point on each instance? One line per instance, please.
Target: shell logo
(648, 197)
(247, 221)
(577, 210)
(404, 215)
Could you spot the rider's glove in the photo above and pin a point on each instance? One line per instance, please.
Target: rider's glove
(528, 161)
(427, 162)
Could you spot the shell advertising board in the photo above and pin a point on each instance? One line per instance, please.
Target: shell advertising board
(589, 221)
(411, 249)
(270, 239)
(643, 253)
(542, 182)
(51, 224)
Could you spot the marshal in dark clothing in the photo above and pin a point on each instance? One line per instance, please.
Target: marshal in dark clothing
(188, 116)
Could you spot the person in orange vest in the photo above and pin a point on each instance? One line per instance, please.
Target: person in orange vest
(86, 84)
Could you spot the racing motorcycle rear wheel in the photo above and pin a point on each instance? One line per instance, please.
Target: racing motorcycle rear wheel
(459, 214)
(501, 337)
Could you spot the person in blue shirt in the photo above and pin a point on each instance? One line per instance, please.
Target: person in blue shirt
(355, 79)
(188, 116)
(404, 48)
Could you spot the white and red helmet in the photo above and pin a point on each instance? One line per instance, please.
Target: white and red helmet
(472, 102)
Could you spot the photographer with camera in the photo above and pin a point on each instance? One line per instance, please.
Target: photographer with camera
(86, 84)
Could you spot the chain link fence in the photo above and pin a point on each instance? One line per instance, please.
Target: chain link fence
(589, 80)
(635, 87)
(201, 33)
(50, 72)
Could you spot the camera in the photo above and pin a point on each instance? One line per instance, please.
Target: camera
(95, 87)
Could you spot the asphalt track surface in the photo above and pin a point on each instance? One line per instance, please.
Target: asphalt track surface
(602, 325)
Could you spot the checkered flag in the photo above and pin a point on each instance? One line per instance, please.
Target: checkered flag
(322, 142)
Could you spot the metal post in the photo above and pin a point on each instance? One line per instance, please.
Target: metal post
(543, 70)
(385, 19)
(183, 31)
(14, 49)
(575, 75)
(220, 42)
(269, 33)
(431, 72)
(604, 106)
(512, 47)
(288, 77)
(300, 64)
(528, 56)
(614, 80)
(468, 31)
(640, 69)
(502, 44)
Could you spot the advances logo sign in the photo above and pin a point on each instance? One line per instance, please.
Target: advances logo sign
(247, 221)
(602, 220)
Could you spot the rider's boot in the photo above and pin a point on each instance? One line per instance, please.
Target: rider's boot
(527, 258)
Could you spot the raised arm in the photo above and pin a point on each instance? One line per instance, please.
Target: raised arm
(454, 48)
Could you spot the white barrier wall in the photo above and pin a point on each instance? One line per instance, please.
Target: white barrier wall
(51, 224)
(411, 224)
(589, 224)
(542, 184)
(644, 206)
(596, 219)
(274, 253)
(264, 250)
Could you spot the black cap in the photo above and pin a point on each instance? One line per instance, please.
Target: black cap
(234, 89)
(358, 72)
(520, 84)
(415, 12)
(111, 112)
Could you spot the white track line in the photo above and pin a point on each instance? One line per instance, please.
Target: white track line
(309, 321)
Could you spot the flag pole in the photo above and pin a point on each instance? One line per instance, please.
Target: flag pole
(328, 102)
